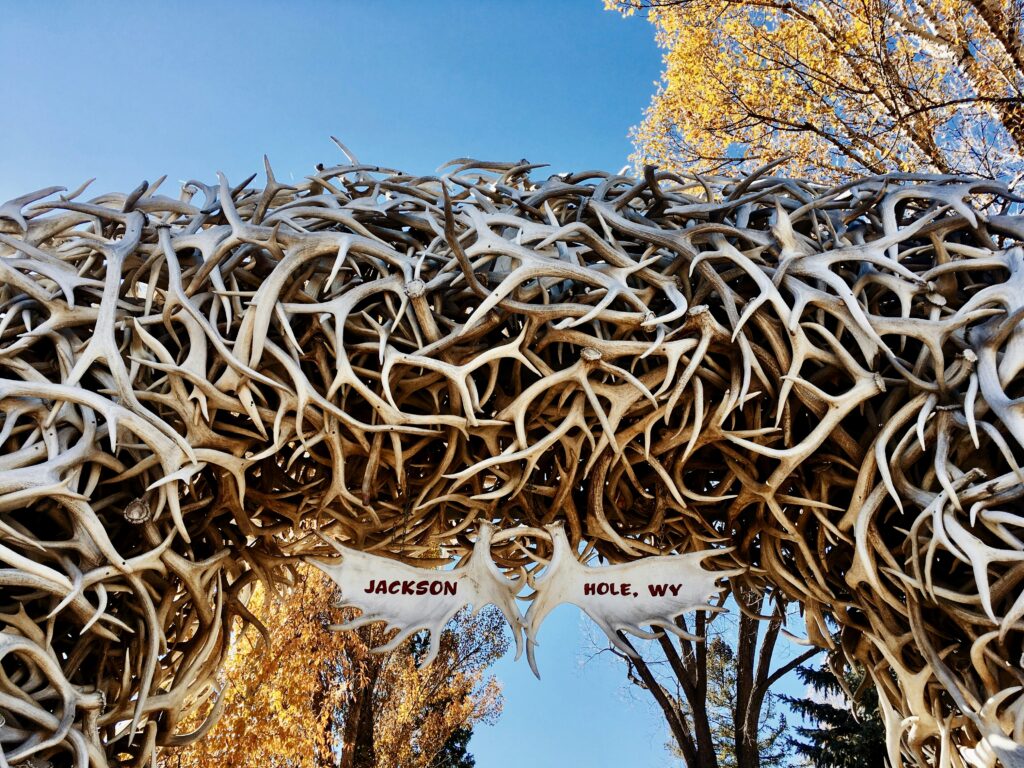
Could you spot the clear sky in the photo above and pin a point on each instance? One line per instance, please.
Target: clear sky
(126, 91)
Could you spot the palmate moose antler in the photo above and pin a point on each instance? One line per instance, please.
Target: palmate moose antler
(640, 600)
(822, 381)
(411, 599)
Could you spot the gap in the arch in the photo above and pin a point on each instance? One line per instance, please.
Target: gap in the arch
(581, 713)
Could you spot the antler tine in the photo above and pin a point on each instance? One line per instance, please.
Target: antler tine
(824, 380)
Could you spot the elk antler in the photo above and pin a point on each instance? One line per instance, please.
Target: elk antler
(820, 384)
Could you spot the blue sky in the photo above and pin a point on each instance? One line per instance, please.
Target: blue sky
(132, 91)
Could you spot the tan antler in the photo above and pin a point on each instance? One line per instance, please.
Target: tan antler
(823, 384)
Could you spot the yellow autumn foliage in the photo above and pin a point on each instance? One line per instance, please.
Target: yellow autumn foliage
(836, 86)
(314, 697)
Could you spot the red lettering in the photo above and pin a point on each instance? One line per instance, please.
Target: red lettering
(674, 588)
(657, 590)
(621, 589)
(424, 587)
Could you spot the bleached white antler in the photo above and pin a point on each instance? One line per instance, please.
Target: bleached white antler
(828, 379)
(413, 599)
(652, 591)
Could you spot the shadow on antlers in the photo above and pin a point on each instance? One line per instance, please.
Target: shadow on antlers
(826, 380)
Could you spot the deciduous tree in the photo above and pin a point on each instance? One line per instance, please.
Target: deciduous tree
(837, 85)
(304, 697)
(716, 695)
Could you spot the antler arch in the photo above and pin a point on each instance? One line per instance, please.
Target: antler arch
(823, 381)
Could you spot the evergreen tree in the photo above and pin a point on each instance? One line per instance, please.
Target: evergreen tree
(722, 676)
(455, 752)
(845, 733)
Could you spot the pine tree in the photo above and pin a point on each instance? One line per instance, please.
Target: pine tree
(845, 733)
(455, 752)
(722, 673)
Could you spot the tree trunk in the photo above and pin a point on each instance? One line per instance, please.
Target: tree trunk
(348, 736)
(689, 667)
(323, 756)
(1003, 30)
(365, 753)
(747, 715)
(357, 747)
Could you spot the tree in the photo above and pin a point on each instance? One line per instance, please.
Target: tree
(716, 698)
(846, 732)
(838, 86)
(722, 673)
(455, 752)
(311, 697)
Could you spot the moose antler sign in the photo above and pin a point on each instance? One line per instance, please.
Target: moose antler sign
(651, 591)
(413, 599)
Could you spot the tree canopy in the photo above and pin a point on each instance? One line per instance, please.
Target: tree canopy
(715, 693)
(311, 697)
(845, 727)
(837, 86)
